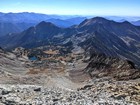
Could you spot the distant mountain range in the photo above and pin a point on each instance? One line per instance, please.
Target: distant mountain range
(67, 22)
(123, 18)
(18, 22)
(93, 35)
(25, 17)
(8, 27)
(137, 23)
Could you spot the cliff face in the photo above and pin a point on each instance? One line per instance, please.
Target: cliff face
(102, 66)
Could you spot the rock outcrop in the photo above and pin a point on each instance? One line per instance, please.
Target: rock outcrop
(102, 66)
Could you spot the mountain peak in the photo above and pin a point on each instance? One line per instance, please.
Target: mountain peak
(98, 19)
(43, 23)
(94, 20)
(126, 22)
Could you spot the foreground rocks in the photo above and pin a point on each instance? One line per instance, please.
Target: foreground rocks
(98, 92)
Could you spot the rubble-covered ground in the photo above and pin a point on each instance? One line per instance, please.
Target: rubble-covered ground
(99, 92)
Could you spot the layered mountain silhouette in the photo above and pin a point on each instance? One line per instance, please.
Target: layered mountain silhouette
(18, 22)
(93, 35)
(8, 27)
(67, 22)
(24, 17)
(137, 23)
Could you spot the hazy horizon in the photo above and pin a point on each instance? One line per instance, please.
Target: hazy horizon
(74, 14)
(73, 7)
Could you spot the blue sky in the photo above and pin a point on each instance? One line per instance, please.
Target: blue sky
(74, 7)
